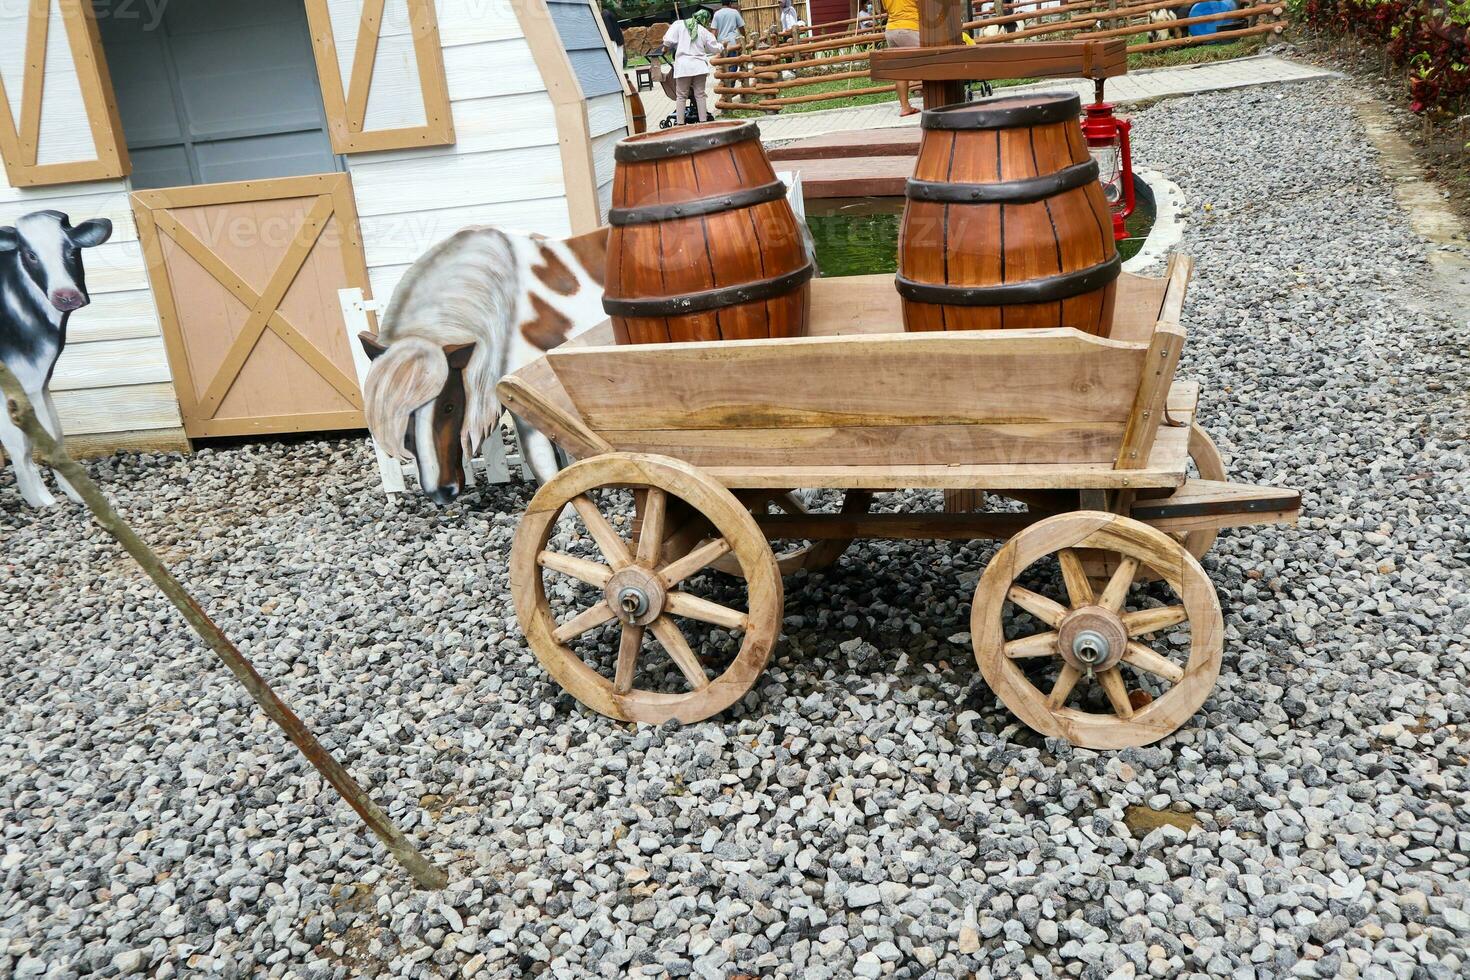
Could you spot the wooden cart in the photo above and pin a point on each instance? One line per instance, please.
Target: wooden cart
(1095, 436)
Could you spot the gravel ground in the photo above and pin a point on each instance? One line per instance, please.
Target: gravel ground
(870, 809)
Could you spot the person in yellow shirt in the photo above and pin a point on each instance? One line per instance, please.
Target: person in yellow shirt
(902, 32)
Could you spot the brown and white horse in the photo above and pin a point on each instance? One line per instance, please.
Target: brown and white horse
(476, 306)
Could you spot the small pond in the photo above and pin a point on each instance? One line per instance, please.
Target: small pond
(858, 236)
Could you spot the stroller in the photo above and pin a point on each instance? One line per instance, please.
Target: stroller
(665, 72)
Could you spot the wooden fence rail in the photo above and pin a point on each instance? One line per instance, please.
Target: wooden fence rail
(770, 77)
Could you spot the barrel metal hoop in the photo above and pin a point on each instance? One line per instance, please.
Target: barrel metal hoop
(1043, 108)
(1026, 190)
(1045, 290)
(653, 213)
(636, 149)
(710, 299)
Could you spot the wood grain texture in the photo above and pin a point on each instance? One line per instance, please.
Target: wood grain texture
(245, 276)
(1035, 59)
(680, 256)
(618, 696)
(990, 244)
(1046, 711)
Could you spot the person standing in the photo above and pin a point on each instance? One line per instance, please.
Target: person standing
(790, 19)
(902, 32)
(615, 35)
(692, 44)
(728, 25)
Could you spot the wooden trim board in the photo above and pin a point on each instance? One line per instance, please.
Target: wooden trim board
(574, 133)
(347, 109)
(20, 139)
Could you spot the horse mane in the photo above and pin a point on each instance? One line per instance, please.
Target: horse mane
(462, 289)
(409, 374)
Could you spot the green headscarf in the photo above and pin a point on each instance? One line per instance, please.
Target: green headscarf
(693, 24)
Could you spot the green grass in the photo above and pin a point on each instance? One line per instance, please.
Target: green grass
(1171, 57)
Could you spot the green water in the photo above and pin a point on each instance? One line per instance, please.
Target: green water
(858, 236)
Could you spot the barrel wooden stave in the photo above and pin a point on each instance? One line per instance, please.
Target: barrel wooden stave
(679, 256)
(983, 244)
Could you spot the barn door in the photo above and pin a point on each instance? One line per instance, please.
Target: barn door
(246, 278)
(382, 73)
(57, 78)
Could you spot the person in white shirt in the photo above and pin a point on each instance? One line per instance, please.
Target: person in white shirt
(789, 17)
(866, 13)
(692, 45)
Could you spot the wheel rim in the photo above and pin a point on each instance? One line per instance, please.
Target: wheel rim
(1132, 720)
(1211, 466)
(642, 589)
(810, 556)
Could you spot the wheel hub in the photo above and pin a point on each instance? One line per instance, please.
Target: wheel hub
(1092, 639)
(635, 595)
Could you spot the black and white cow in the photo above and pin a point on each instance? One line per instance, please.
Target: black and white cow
(41, 284)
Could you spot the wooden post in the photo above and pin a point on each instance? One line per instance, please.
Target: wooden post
(24, 415)
(940, 23)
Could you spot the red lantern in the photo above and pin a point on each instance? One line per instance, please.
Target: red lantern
(1108, 142)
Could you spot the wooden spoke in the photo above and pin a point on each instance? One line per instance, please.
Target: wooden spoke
(789, 503)
(1040, 645)
(1152, 620)
(628, 647)
(700, 558)
(1066, 680)
(1117, 589)
(693, 607)
(1117, 692)
(588, 619)
(671, 638)
(1145, 658)
(651, 539)
(578, 568)
(1079, 587)
(610, 542)
(1044, 609)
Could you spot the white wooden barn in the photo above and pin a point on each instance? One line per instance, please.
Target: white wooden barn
(257, 157)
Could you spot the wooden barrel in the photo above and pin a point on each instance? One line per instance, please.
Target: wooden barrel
(1006, 225)
(704, 245)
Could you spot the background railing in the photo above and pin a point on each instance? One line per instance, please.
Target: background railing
(771, 72)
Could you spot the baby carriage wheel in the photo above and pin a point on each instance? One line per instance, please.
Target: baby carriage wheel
(643, 587)
(1087, 642)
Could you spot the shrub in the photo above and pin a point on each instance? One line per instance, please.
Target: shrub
(1430, 39)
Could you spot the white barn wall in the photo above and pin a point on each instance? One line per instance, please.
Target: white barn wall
(505, 165)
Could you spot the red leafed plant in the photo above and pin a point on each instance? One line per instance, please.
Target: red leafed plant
(1430, 39)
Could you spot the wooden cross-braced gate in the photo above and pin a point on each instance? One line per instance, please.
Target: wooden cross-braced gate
(246, 278)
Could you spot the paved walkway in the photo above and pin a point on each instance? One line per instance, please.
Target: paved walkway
(1151, 83)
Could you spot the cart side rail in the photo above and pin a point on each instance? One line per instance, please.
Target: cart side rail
(1013, 396)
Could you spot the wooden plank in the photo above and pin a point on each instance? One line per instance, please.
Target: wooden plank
(34, 81)
(893, 527)
(899, 141)
(126, 407)
(879, 176)
(363, 57)
(976, 476)
(1215, 498)
(267, 424)
(1153, 391)
(989, 62)
(111, 363)
(879, 444)
(168, 439)
(996, 376)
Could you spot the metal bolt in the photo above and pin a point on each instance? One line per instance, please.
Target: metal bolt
(1090, 647)
(633, 602)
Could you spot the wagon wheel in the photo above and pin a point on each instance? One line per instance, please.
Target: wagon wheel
(644, 588)
(1211, 466)
(1093, 636)
(809, 555)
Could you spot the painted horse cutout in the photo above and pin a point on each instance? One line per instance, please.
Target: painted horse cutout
(475, 307)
